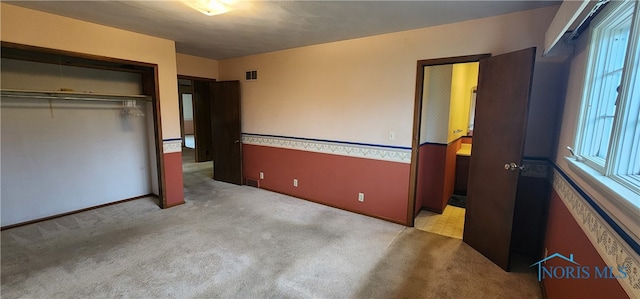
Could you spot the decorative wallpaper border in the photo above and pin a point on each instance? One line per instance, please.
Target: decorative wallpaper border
(612, 248)
(171, 146)
(376, 152)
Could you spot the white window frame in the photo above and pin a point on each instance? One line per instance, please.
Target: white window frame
(626, 150)
(614, 173)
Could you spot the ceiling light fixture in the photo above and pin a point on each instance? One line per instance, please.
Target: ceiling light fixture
(210, 7)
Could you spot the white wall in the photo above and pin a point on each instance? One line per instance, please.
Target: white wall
(423, 114)
(62, 156)
(358, 90)
(187, 106)
(436, 104)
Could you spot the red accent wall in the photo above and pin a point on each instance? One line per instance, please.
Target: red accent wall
(174, 189)
(332, 179)
(430, 181)
(450, 171)
(436, 175)
(564, 236)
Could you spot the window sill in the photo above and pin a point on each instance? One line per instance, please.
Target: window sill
(625, 201)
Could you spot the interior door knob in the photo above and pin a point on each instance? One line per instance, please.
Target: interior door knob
(237, 141)
(513, 166)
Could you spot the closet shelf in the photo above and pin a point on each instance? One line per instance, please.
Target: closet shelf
(71, 95)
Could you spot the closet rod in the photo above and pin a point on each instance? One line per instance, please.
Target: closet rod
(73, 96)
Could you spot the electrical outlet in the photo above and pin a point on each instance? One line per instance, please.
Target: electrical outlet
(262, 175)
(392, 135)
(295, 182)
(361, 197)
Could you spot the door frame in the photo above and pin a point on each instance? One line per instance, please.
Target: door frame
(417, 116)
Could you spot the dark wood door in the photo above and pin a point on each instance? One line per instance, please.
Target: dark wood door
(504, 87)
(227, 145)
(202, 120)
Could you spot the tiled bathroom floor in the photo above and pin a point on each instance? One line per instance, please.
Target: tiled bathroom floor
(450, 223)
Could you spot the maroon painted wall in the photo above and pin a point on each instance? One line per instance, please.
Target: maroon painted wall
(332, 180)
(436, 176)
(173, 179)
(564, 236)
(430, 181)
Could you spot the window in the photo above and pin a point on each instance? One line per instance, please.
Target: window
(608, 137)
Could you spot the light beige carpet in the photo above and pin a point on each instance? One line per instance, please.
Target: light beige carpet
(232, 241)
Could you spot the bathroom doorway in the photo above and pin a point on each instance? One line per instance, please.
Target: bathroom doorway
(500, 126)
(446, 138)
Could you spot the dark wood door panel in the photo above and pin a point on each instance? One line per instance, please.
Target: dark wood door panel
(226, 129)
(504, 88)
(202, 120)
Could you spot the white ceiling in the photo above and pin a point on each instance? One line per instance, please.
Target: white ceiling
(265, 26)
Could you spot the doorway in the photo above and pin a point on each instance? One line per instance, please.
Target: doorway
(195, 118)
(446, 130)
(503, 92)
(216, 127)
(195, 126)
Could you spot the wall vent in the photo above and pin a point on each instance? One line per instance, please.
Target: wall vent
(251, 75)
(252, 182)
